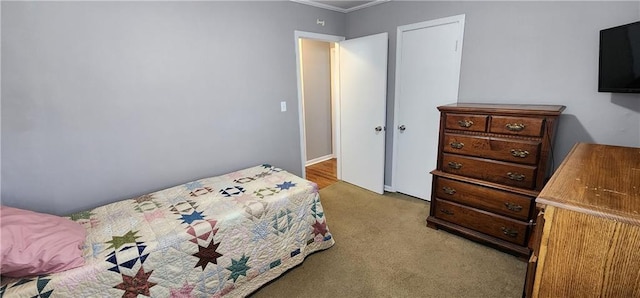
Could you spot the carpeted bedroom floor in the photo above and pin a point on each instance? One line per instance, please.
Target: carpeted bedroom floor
(384, 249)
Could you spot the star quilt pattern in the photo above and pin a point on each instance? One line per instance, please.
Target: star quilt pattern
(220, 236)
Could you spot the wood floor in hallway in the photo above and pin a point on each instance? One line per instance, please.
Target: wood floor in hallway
(323, 173)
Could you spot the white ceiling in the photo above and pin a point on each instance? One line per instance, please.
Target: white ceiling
(341, 6)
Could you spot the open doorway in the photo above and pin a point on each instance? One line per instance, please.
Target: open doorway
(318, 92)
(359, 107)
(317, 67)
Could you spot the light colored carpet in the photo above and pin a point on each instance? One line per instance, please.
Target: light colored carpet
(384, 249)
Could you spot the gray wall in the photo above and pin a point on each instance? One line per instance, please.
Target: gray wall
(103, 101)
(316, 70)
(525, 52)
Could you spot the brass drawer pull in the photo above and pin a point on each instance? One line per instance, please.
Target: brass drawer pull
(449, 190)
(446, 211)
(519, 153)
(513, 207)
(455, 165)
(515, 126)
(509, 232)
(465, 123)
(516, 176)
(456, 145)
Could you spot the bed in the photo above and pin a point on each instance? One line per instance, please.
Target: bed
(220, 236)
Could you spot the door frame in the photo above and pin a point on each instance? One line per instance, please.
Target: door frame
(335, 97)
(396, 102)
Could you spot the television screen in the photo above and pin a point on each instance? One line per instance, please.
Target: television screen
(620, 59)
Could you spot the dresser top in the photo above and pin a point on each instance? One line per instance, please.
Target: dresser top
(503, 108)
(602, 180)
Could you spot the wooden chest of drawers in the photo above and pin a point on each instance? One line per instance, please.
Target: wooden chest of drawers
(492, 162)
(587, 238)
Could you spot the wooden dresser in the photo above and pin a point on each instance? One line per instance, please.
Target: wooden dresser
(587, 240)
(492, 161)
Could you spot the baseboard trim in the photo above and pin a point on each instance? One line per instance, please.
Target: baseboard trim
(389, 188)
(319, 159)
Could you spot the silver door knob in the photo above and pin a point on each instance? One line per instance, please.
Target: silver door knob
(378, 128)
(402, 127)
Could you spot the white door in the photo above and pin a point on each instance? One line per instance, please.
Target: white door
(363, 100)
(427, 75)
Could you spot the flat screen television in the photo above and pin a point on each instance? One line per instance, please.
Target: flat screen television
(619, 69)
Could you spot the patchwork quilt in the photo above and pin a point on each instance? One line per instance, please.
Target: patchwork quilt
(219, 236)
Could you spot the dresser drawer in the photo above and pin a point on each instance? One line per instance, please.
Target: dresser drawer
(494, 148)
(466, 122)
(490, 170)
(523, 126)
(491, 224)
(496, 201)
